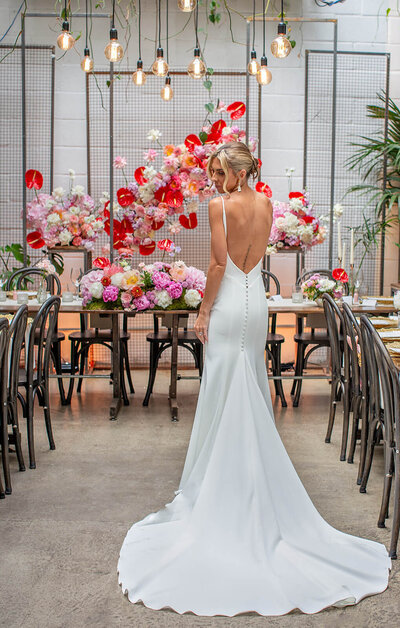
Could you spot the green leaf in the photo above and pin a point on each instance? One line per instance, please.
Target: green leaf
(58, 262)
(16, 250)
(203, 136)
(108, 83)
(209, 106)
(207, 84)
(387, 12)
(210, 71)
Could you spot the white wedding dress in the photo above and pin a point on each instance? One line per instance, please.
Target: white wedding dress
(242, 533)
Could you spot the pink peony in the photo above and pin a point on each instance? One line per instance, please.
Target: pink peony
(160, 280)
(174, 290)
(126, 299)
(141, 303)
(119, 163)
(110, 293)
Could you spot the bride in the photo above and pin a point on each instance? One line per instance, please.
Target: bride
(242, 533)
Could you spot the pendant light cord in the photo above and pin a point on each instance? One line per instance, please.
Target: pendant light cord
(254, 22)
(113, 15)
(86, 21)
(281, 10)
(196, 23)
(263, 28)
(166, 28)
(139, 29)
(159, 23)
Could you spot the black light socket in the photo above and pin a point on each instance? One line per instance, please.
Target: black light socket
(86, 52)
(139, 65)
(263, 60)
(113, 33)
(65, 25)
(281, 28)
(160, 53)
(197, 52)
(253, 54)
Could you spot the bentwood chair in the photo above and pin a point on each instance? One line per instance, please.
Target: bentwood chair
(34, 379)
(340, 385)
(390, 391)
(375, 423)
(161, 339)
(274, 341)
(16, 338)
(308, 341)
(22, 277)
(3, 398)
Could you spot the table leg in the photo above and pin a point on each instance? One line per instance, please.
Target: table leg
(174, 368)
(116, 401)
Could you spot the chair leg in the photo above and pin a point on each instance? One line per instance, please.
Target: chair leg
(56, 355)
(84, 349)
(296, 369)
(152, 372)
(368, 457)
(346, 420)
(29, 429)
(364, 438)
(125, 354)
(6, 490)
(299, 369)
(13, 409)
(74, 367)
(396, 508)
(278, 369)
(47, 417)
(332, 409)
(122, 379)
(354, 429)
(387, 485)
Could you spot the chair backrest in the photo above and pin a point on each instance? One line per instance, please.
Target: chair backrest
(3, 370)
(16, 335)
(335, 322)
(19, 278)
(268, 279)
(352, 334)
(372, 373)
(390, 390)
(42, 330)
(166, 321)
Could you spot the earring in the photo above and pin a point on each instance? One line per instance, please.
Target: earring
(239, 187)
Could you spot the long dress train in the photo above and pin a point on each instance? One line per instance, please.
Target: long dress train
(242, 533)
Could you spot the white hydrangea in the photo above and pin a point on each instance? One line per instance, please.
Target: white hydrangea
(74, 210)
(226, 130)
(96, 289)
(288, 223)
(53, 220)
(326, 285)
(78, 190)
(50, 203)
(65, 237)
(154, 135)
(149, 172)
(192, 298)
(116, 279)
(306, 233)
(90, 233)
(162, 298)
(296, 204)
(58, 193)
(338, 210)
(147, 191)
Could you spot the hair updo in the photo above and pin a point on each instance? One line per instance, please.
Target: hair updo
(236, 156)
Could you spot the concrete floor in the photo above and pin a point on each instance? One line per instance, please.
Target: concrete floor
(62, 528)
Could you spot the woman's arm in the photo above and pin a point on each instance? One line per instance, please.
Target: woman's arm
(216, 268)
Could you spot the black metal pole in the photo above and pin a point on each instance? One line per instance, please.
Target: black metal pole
(384, 173)
(333, 145)
(111, 207)
(23, 96)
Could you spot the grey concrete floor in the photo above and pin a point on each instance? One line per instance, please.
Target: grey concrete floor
(62, 528)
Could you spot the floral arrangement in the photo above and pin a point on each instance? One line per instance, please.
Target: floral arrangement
(316, 285)
(294, 224)
(62, 217)
(46, 266)
(159, 286)
(168, 195)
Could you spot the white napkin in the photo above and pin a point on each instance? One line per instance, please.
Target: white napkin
(369, 302)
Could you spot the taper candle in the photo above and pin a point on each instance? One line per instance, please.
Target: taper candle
(352, 247)
(339, 241)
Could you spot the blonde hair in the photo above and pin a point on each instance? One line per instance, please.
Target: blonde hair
(236, 156)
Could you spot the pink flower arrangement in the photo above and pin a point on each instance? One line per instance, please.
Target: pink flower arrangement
(155, 286)
(66, 218)
(294, 224)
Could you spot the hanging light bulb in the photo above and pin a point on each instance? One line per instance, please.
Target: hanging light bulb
(253, 65)
(264, 76)
(139, 77)
(114, 51)
(87, 61)
(65, 41)
(196, 68)
(281, 46)
(187, 5)
(167, 92)
(160, 66)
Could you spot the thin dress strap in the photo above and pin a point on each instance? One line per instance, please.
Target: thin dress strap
(223, 213)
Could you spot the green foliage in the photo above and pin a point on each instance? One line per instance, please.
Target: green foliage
(58, 262)
(207, 84)
(203, 136)
(209, 106)
(147, 280)
(214, 16)
(8, 254)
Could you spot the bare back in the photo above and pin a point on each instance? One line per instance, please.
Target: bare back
(248, 221)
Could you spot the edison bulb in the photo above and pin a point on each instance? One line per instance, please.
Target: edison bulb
(196, 68)
(264, 76)
(281, 46)
(167, 92)
(65, 41)
(139, 77)
(87, 62)
(187, 5)
(160, 66)
(114, 51)
(253, 65)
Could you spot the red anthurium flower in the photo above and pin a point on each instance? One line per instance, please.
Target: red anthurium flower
(165, 245)
(339, 274)
(107, 226)
(174, 198)
(101, 262)
(191, 141)
(308, 219)
(161, 194)
(33, 179)
(259, 163)
(119, 237)
(125, 197)
(213, 137)
(157, 225)
(147, 249)
(296, 195)
(35, 240)
(218, 126)
(264, 189)
(189, 222)
(237, 110)
(139, 177)
(126, 225)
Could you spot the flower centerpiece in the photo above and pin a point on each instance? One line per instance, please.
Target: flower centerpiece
(159, 286)
(62, 217)
(316, 285)
(169, 195)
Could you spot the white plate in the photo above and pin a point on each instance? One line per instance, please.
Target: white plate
(389, 334)
(383, 322)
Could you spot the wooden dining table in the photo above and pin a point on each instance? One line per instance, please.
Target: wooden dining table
(75, 307)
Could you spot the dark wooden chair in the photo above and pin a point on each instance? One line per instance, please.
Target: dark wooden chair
(161, 339)
(340, 388)
(357, 380)
(3, 400)
(34, 379)
(16, 339)
(274, 341)
(18, 281)
(390, 391)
